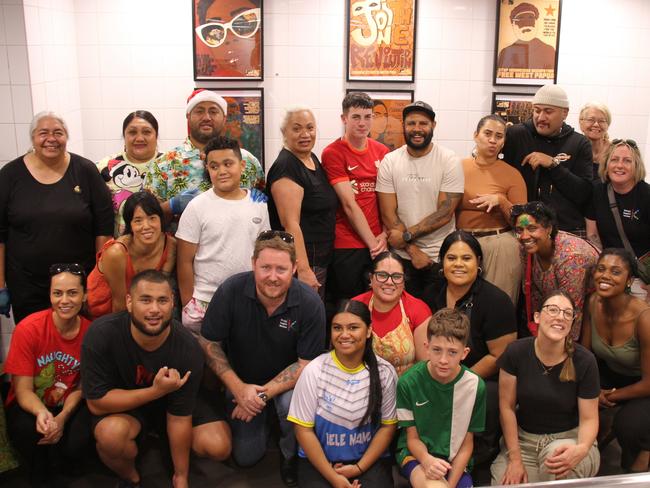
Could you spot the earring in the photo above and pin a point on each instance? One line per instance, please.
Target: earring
(474, 152)
(441, 271)
(628, 287)
(500, 155)
(480, 270)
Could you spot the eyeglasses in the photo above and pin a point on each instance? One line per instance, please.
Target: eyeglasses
(526, 208)
(382, 277)
(244, 25)
(267, 235)
(554, 311)
(629, 142)
(592, 121)
(73, 268)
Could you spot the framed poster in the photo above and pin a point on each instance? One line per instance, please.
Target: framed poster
(381, 40)
(227, 39)
(245, 119)
(513, 107)
(387, 126)
(527, 42)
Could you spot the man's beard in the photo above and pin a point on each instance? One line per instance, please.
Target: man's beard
(151, 333)
(202, 137)
(425, 143)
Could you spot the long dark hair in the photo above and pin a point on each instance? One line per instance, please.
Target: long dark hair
(373, 412)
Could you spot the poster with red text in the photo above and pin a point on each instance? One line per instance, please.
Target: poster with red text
(381, 40)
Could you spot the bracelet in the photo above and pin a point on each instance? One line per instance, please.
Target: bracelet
(359, 468)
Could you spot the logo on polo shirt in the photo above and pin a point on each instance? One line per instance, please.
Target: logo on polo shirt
(287, 324)
(257, 220)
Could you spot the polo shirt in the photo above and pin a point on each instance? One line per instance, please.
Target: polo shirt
(259, 346)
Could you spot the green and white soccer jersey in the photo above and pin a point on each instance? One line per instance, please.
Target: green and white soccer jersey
(442, 414)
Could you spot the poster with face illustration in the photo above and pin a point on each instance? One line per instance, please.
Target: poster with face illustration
(387, 122)
(381, 40)
(527, 42)
(227, 39)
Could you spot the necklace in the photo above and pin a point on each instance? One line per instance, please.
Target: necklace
(546, 370)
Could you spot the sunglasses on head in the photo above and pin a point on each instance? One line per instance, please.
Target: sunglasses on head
(525, 208)
(73, 268)
(629, 142)
(267, 235)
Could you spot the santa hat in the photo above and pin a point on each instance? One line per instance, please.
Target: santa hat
(203, 95)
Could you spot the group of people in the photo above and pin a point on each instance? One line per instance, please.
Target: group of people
(473, 313)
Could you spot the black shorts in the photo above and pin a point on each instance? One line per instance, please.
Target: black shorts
(349, 273)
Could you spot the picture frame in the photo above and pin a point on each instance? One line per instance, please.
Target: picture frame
(527, 42)
(245, 118)
(387, 124)
(514, 108)
(231, 49)
(381, 38)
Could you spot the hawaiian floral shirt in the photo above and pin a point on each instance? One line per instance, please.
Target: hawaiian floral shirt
(182, 169)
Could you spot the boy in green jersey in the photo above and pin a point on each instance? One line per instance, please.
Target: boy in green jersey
(440, 404)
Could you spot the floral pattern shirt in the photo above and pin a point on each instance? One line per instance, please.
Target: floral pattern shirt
(182, 169)
(571, 266)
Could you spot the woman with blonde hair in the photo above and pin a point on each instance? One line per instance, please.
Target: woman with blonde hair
(595, 119)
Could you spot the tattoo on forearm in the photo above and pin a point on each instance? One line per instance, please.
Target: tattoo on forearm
(288, 374)
(214, 356)
(436, 219)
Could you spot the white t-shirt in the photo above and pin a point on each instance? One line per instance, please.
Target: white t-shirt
(417, 183)
(225, 231)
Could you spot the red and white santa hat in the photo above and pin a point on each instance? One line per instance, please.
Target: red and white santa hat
(202, 95)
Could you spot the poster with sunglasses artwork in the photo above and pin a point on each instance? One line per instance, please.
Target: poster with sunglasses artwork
(387, 115)
(527, 42)
(381, 40)
(227, 39)
(514, 108)
(245, 119)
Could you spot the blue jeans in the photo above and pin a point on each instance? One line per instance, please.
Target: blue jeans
(249, 438)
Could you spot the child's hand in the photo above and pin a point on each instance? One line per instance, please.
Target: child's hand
(435, 468)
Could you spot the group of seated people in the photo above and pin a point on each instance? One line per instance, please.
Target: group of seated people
(471, 321)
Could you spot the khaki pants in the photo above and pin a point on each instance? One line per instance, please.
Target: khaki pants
(501, 263)
(535, 448)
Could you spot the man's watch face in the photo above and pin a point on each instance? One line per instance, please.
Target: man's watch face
(407, 236)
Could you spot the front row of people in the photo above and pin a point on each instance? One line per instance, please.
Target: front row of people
(263, 336)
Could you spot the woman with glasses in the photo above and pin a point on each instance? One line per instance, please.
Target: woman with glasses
(595, 119)
(125, 171)
(54, 207)
(548, 400)
(492, 319)
(301, 199)
(622, 183)
(617, 330)
(45, 423)
(343, 408)
(399, 320)
(551, 260)
(492, 187)
(143, 245)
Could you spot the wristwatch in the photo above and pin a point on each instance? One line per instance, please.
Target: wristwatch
(407, 236)
(263, 396)
(555, 162)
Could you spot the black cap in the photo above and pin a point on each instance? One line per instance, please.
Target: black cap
(419, 106)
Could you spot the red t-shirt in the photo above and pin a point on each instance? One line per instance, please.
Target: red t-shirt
(38, 350)
(342, 162)
(383, 322)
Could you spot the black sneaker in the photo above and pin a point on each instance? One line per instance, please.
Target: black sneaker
(289, 471)
(122, 483)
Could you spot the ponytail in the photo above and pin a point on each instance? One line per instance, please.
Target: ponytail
(568, 372)
(373, 412)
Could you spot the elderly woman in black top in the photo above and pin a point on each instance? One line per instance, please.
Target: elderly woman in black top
(54, 207)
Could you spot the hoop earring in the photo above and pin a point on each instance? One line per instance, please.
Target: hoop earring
(474, 152)
(480, 270)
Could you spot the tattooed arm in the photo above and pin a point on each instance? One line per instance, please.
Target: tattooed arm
(447, 203)
(286, 379)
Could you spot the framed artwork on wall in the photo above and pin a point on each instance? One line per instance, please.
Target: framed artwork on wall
(387, 115)
(381, 40)
(227, 39)
(527, 42)
(514, 108)
(245, 119)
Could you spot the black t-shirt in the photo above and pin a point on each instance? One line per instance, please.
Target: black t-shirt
(490, 311)
(45, 224)
(319, 202)
(111, 359)
(634, 209)
(546, 404)
(258, 346)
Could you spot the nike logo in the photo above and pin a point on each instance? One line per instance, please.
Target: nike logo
(419, 404)
(352, 168)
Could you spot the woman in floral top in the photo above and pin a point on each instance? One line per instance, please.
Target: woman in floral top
(552, 260)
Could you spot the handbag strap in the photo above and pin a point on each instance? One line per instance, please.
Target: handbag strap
(617, 218)
(527, 288)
